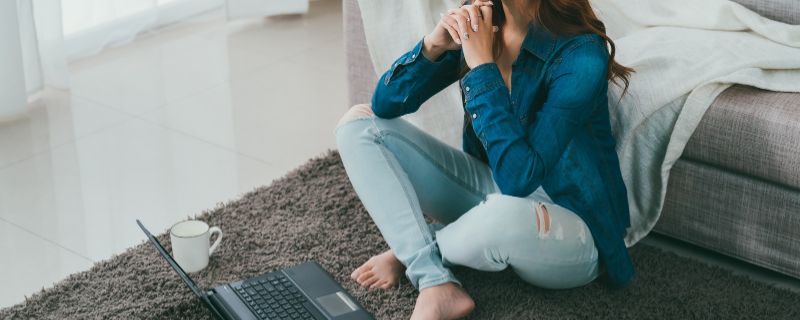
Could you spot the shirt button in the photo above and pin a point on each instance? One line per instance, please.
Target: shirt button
(466, 88)
(474, 115)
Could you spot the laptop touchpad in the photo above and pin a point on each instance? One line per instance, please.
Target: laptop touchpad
(336, 304)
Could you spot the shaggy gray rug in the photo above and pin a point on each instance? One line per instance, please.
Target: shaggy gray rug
(313, 214)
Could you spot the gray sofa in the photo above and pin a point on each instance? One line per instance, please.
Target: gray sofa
(736, 188)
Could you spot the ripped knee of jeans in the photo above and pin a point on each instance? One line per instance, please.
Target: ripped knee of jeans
(542, 219)
(359, 111)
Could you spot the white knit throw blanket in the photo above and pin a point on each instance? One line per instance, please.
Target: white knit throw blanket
(685, 53)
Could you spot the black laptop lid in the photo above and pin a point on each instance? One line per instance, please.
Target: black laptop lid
(185, 277)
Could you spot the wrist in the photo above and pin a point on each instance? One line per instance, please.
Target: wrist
(476, 63)
(431, 50)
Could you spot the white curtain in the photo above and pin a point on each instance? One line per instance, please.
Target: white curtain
(53, 32)
(12, 77)
(42, 42)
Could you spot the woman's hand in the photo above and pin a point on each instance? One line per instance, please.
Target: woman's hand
(447, 35)
(473, 25)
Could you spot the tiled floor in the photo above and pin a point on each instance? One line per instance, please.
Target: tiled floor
(171, 124)
(160, 129)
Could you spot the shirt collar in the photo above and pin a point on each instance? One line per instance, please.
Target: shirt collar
(539, 41)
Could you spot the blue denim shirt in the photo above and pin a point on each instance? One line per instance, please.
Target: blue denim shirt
(551, 130)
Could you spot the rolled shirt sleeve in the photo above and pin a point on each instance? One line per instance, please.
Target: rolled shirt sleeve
(412, 79)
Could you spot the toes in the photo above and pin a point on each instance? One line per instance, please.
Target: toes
(383, 284)
(386, 285)
(364, 276)
(355, 274)
(377, 284)
(370, 282)
(360, 271)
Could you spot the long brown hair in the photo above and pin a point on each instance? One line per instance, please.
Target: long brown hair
(563, 17)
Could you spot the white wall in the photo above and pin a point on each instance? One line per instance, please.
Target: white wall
(12, 79)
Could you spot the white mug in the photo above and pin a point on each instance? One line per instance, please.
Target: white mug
(190, 244)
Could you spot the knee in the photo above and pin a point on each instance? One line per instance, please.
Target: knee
(358, 111)
(483, 237)
(501, 218)
(521, 214)
(510, 217)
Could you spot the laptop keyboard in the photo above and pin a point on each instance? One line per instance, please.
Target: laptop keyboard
(274, 297)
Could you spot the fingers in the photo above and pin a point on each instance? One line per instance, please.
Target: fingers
(486, 11)
(462, 19)
(473, 16)
(461, 16)
(476, 14)
(479, 3)
(451, 25)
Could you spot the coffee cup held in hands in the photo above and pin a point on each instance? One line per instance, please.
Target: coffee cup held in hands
(191, 246)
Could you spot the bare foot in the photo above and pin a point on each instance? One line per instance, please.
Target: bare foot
(381, 271)
(442, 302)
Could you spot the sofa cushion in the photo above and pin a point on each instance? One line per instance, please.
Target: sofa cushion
(787, 11)
(746, 218)
(752, 132)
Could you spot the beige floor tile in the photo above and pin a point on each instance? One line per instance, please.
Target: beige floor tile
(86, 195)
(53, 120)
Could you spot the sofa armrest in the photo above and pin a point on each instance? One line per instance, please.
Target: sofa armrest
(361, 75)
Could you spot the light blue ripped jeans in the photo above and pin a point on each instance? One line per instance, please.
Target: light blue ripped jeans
(400, 173)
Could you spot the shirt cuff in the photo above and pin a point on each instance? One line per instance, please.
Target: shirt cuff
(483, 78)
(447, 56)
(422, 63)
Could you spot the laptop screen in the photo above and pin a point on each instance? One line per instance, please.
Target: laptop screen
(185, 277)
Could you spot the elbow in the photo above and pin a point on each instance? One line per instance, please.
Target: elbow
(393, 99)
(519, 178)
(383, 109)
(384, 106)
(518, 182)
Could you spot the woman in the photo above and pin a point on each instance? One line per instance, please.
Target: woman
(537, 186)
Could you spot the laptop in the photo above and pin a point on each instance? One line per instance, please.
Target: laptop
(304, 291)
